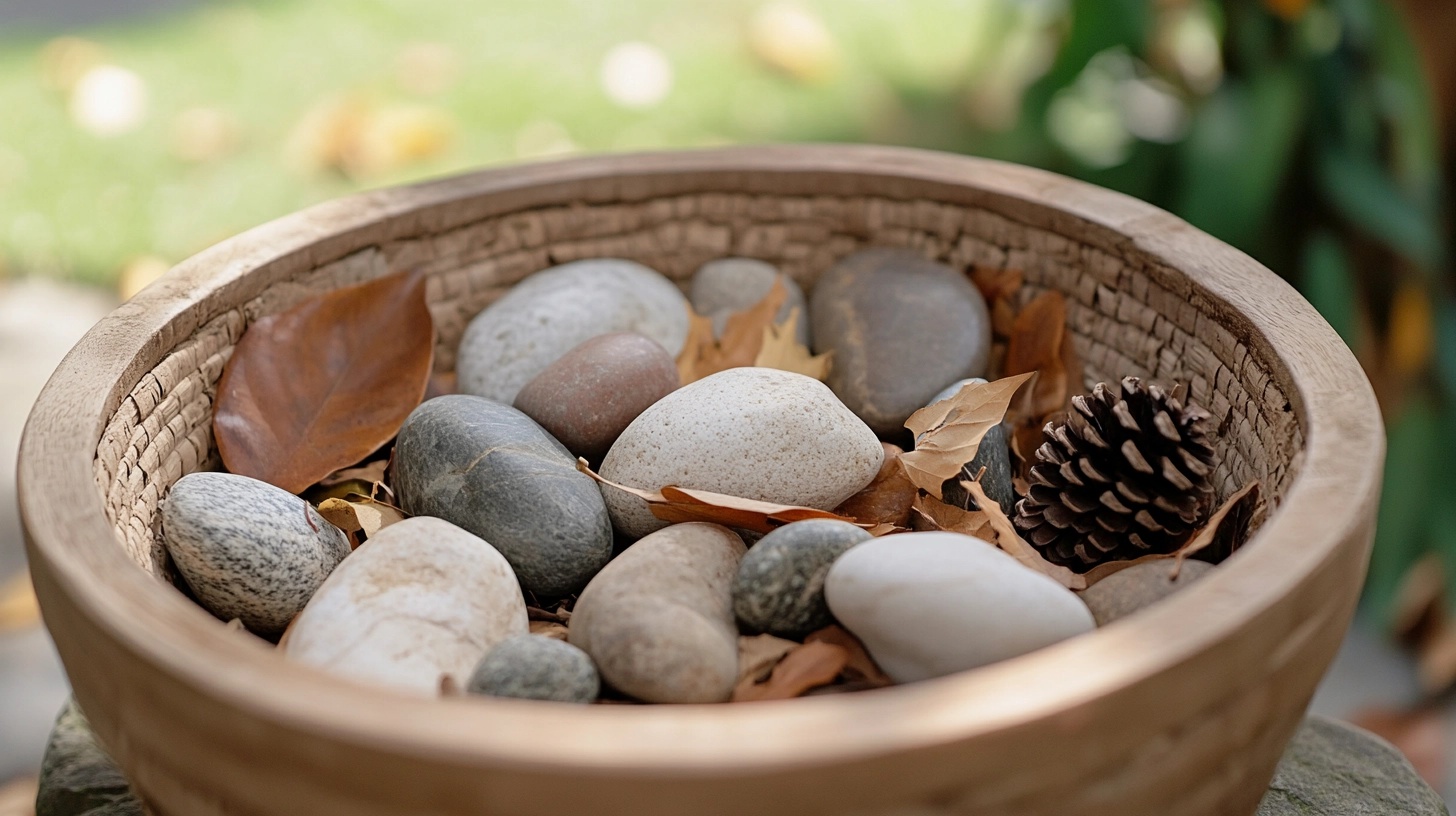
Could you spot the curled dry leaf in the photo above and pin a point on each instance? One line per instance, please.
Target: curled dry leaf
(326, 383)
(743, 338)
(888, 498)
(1016, 546)
(357, 514)
(678, 504)
(806, 667)
(996, 284)
(948, 433)
(366, 479)
(861, 669)
(937, 515)
(757, 657)
(548, 629)
(781, 349)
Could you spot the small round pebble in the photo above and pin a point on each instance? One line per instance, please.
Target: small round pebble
(247, 549)
(1123, 593)
(725, 286)
(530, 667)
(779, 588)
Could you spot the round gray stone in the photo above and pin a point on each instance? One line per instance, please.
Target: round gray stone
(247, 549)
(779, 588)
(727, 285)
(558, 309)
(1123, 593)
(531, 667)
(489, 469)
(993, 454)
(78, 777)
(1335, 769)
(901, 327)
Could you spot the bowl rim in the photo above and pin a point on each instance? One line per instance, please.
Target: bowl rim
(74, 552)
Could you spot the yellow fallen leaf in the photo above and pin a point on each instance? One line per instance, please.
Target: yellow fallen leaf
(782, 350)
(743, 337)
(18, 607)
(948, 433)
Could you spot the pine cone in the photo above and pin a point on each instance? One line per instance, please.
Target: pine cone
(1123, 477)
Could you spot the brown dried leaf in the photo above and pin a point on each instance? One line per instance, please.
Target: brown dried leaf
(1227, 526)
(360, 514)
(997, 285)
(678, 504)
(861, 667)
(548, 629)
(888, 498)
(757, 657)
(536, 613)
(781, 349)
(1036, 343)
(1016, 546)
(806, 667)
(743, 337)
(937, 515)
(948, 432)
(369, 473)
(450, 687)
(326, 383)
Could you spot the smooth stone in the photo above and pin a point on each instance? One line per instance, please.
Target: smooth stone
(900, 327)
(420, 600)
(589, 396)
(531, 667)
(723, 287)
(757, 433)
(491, 470)
(779, 588)
(993, 454)
(557, 309)
(935, 603)
(658, 620)
(78, 777)
(1332, 768)
(247, 549)
(1123, 593)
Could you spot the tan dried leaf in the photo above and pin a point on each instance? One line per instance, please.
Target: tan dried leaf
(806, 667)
(861, 666)
(781, 349)
(743, 337)
(937, 515)
(948, 433)
(1009, 540)
(357, 514)
(677, 504)
(996, 284)
(888, 498)
(1039, 341)
(757, 657)
(548, 629)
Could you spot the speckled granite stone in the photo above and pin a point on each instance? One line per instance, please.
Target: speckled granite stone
(531, 667)
(488, 468)
(780, 584)
(247, 549)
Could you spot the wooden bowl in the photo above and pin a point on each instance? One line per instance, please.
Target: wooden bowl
(1182, 709)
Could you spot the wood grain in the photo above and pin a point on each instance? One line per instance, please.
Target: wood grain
(1179, 711)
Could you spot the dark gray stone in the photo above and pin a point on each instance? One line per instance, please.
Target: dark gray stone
(779, 588)
(531, 667)
(248, 550)
(1335, 769)
(489, 469)
(727, 285)
(1123, 593)
(900, 327)
(77, 777)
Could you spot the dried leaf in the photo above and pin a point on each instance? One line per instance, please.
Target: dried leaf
(1227, 526)
(806, 667)
(781, 349)
(757, 657)
(368, 473)
(676, 504)
(326, 383)
(948, 432)
(861, 667)
(1016, 546)
(360, 514)
(743, 337)
(937, 515)
(996, 284)
(536, 613)
(441, 384)
(548, 629)
(888, 498)
(450, 687)
(18, 606)
(1036, 343)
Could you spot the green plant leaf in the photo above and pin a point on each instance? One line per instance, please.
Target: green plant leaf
(1330, 285)
(1363, 192)
(1412, 476)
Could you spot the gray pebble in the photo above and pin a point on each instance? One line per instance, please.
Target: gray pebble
(779, 588)
(489, 469)
(728, 285)
(531, 667)
(1332, 768)
(900, 327)
(77, 777)
(1123, 593)
(993, 454)
(247, 549)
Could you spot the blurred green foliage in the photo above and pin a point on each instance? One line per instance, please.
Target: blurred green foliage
(1301, 131)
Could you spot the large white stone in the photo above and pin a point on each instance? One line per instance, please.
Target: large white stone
(557, 309)
(758, 433)
(421, 599)
(932, 604)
